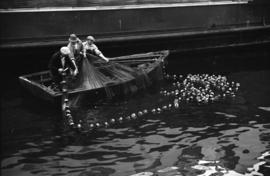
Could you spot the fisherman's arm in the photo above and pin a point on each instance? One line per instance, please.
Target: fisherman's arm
(76, 71)
(72, 59)
(84, 50)
(99, 53)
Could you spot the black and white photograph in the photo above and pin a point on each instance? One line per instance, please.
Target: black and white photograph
(135, 87)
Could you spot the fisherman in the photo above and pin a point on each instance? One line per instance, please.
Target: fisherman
(61, 61)
(90, 49)
(76, 48)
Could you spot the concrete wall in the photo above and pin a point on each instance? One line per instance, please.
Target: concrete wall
(52, 26)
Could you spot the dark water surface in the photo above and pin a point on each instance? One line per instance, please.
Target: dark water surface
(232, 133)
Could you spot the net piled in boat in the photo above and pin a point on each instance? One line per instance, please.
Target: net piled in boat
(113, 77)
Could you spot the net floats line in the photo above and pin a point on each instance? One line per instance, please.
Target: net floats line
(201, 88)
(198, 88)
(66, 111)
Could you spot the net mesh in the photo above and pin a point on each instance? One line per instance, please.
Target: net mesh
(112, 77)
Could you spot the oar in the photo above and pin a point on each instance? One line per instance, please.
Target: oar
(133, 57)
(104, 65)
(135, 60)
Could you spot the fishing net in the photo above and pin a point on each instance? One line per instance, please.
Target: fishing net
(115, 78)
(177, 94)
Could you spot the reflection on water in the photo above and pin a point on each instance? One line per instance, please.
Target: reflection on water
(213, 167)
(229, 135)
(5, 4)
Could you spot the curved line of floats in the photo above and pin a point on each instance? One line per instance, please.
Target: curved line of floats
(197, 88)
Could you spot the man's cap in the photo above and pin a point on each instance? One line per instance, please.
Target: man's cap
(65, 50)
(73, 38)
(90, 38)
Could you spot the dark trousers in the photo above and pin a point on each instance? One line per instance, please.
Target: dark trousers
(56, 76)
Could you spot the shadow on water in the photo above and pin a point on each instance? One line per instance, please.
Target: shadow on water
(233, 132)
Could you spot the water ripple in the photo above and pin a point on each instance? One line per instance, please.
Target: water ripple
(235, 135)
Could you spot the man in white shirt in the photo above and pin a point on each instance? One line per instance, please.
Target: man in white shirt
(90, 48)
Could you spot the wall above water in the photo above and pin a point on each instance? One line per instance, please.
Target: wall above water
(18, 4)
(51, 26)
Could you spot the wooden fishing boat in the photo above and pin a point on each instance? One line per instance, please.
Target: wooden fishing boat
(39, 84)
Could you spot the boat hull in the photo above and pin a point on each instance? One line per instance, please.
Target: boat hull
(38, 83)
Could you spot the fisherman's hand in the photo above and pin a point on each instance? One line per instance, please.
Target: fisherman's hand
(75, 73)
(60, 70)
